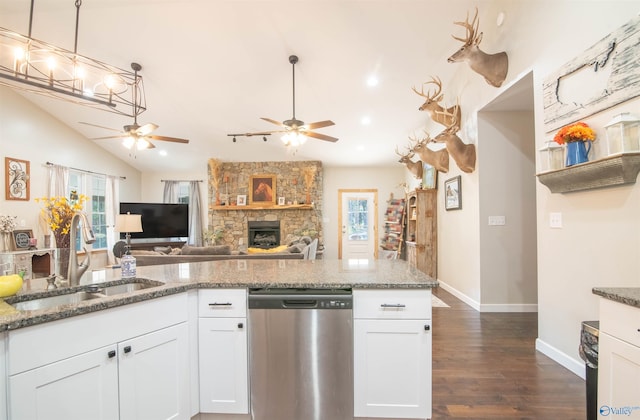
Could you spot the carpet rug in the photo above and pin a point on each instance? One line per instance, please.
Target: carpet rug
(437, 303)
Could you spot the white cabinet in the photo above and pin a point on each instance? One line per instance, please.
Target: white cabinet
(392, 353)
(223, 367)
(81, 387)
(618, 359)
(154, 375)
(129, 362)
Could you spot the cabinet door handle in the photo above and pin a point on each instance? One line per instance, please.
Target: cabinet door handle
(240, 325)
(111, 354)
(427, 327)
(221, 304)
(393, 305)
(127, 349)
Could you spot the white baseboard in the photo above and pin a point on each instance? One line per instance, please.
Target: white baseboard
(455, 292)
(575, 366)
(490, 307)
(509, 307)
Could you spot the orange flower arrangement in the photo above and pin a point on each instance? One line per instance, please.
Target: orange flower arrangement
(579, 131)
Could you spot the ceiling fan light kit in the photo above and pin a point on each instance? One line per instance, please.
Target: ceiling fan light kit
(295, 132)
(134, 134)
(35, 66)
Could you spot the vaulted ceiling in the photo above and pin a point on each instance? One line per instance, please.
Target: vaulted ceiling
(213, 67)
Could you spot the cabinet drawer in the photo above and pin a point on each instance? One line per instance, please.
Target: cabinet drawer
(225, 303)
(620, 320)
(392, 304)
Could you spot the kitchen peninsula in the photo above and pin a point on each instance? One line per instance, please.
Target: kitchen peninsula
(126, 333)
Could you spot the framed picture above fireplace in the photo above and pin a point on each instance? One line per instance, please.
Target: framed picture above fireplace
(262, 189)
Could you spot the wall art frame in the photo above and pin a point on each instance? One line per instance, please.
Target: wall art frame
(262, 189)
(453, 193)
(21, 239)
(241, 200)
(16, 179)
(429, 177)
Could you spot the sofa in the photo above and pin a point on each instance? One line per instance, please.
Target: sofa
(301, 249)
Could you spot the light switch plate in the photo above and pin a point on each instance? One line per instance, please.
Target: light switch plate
(497, 220)
(555, 220)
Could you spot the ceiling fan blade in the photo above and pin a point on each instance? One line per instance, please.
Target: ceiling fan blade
(171, 139)
(319, 136)
(273, 121)
(109, 137)
(146, 129)
(99, 126)
(319, 124)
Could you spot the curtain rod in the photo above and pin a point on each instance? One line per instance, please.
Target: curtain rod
(85, 171)
(181, 180)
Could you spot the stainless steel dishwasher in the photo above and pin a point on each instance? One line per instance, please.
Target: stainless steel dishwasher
(301, 354)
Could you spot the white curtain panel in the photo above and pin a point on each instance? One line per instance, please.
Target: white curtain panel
(195, 214)
(170, 194)
(58, 181)
(112, 208)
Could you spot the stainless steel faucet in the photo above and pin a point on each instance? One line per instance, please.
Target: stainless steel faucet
(76, 270)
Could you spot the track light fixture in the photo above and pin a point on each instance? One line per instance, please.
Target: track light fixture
(35, 66)
(264, 135)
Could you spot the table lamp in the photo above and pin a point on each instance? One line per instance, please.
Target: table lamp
(129, 223)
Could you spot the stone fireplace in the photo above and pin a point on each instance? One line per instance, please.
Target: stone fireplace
(264, 234)
(301, 212)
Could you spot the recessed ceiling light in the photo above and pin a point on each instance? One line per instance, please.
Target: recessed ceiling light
(162, 152)
(366, 120)
(372, 81)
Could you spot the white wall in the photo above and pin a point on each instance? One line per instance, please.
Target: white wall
(386, 180)
(508, 272)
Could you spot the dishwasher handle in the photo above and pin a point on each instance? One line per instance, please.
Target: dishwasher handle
(299, 303)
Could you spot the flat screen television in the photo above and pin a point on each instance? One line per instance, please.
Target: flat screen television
(159, 220)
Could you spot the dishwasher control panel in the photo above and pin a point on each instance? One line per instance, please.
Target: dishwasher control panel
(290, 298)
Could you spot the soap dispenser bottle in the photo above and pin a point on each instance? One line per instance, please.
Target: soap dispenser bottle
(128, 264)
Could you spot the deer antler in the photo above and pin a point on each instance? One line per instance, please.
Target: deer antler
(453, 126)
(431, 97)
(407, 155)
(472, 30)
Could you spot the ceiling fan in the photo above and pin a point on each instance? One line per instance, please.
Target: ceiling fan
(296, 131)
(134, 134)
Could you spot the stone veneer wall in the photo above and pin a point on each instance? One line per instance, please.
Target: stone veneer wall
(289, 184)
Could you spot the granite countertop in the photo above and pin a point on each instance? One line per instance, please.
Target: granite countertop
(627, 295)
(177, 278)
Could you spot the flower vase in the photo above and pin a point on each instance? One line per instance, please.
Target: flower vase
(5, 244)
(61, 258)
(577, 152)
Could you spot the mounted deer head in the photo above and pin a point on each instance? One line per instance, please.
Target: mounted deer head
(432, 102)
(414, 167)
(493, 67)
(438, 159)
(463, 154)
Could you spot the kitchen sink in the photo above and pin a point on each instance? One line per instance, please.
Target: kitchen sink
(90, 292)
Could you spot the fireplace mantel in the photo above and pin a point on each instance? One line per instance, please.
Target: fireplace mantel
(254, 207)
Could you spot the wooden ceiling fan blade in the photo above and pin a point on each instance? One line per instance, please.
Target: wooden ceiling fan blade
(146, 129)
(171, 139)
(319, 136)
(273, 121)
(108, 137)
(99, 126)
(319, 124)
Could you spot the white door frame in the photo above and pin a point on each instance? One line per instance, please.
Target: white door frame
(375, 218)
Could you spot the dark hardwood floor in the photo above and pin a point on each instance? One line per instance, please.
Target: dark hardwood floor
(485, 366)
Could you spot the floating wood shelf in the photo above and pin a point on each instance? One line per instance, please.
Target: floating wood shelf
(610, 171)
(254, 207)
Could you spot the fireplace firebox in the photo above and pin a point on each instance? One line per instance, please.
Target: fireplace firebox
(264, 234)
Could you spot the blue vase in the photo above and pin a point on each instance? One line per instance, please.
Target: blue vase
(577, 152)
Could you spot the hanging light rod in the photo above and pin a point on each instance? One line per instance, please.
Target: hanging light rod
(36, 66)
